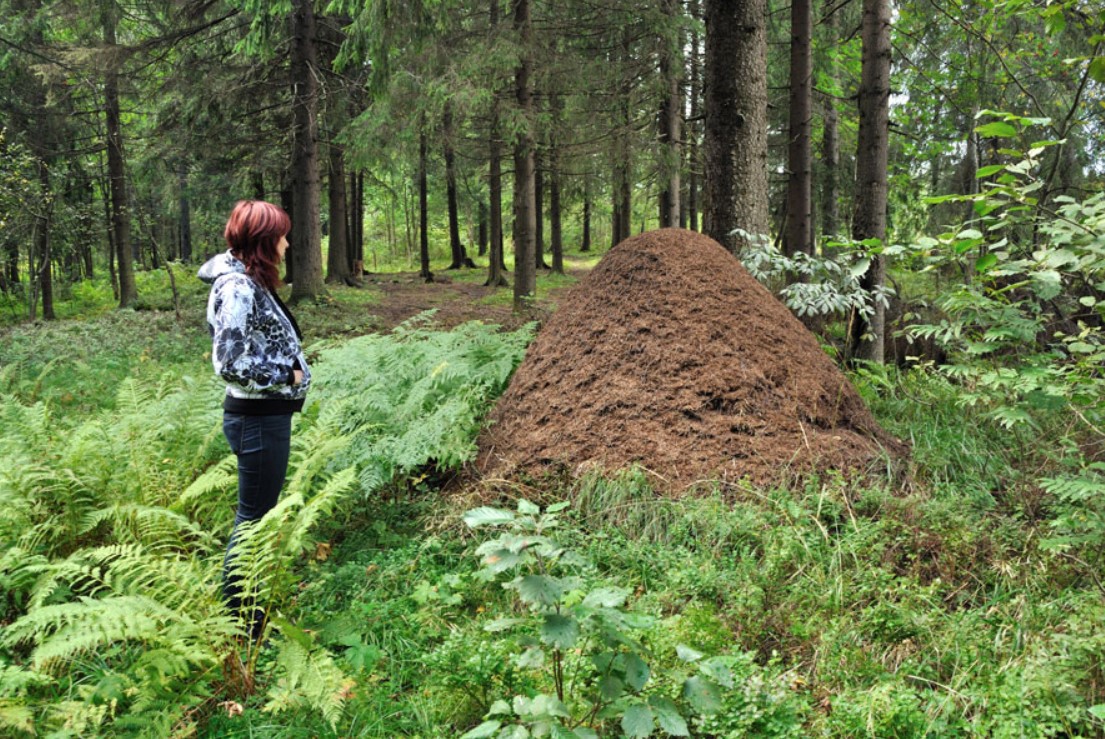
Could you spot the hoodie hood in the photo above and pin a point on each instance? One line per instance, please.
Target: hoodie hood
(219, 265)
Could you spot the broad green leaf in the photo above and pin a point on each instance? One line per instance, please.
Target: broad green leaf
(487, 516)
(559, 631)
(606, 598)
(531, 659)
(718, 669)
(611, 688)
(636, 672)
(502, 560)
(541, 590)
(989, 170)
(502, 624)
(527, 508)
(499, 708)
(667, 714)
(985, 262)
(996, 129)
(702, 694)
(585, 733)
(637, 721)
(484, 730)
(557, 507)
(1098, 711)
(1088, 300)
(687, 654)
(1097, 71)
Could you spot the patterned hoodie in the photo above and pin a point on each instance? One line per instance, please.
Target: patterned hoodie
(255, 341)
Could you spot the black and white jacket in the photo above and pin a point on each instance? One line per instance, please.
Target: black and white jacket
(255, 341)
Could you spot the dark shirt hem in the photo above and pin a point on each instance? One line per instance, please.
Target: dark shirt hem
(261, 406)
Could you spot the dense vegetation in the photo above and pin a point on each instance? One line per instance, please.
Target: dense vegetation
(961, 600)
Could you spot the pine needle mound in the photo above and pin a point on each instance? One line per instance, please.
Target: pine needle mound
(672, 357)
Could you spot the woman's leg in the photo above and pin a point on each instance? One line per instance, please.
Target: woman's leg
(262, 445)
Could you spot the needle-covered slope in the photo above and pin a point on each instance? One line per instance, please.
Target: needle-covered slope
(671, 356)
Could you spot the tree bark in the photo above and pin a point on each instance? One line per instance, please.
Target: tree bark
(539, 213)
(830, 150)
(482, 228)
(693, 164)
(586, 245)
(736, 120)
(338, 260)
(116, 168)
(799, 234)
(423, 207)
(525, 276)
(42, 244)
(868, 335)
(306, 250)
(671, 118)
(456, 248)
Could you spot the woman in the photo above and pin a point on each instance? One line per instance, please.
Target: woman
(257, 351)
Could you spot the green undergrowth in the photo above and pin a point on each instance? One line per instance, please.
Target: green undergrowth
(959, 598)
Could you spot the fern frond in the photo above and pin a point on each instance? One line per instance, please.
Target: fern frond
(308, 678)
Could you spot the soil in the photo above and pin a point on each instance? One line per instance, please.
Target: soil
(405, 295)
(669, 355)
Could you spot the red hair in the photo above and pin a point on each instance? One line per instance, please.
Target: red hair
(252, 233)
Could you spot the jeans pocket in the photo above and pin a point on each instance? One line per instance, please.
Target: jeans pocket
(253, 434)
(233, 425)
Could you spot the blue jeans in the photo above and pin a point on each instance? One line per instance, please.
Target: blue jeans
(262, 445)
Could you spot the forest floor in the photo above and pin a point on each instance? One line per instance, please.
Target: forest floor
(950, 602)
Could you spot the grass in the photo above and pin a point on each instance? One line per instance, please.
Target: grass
(914, 607)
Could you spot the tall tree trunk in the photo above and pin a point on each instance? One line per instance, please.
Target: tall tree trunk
(482, 228)
(42, 246)
(555, 219)
(736, 120)
(337, 260)
(525, 211)
(868, 336)
(539, 212)
(671, 117)
(586, 245)
(258, 178)
(830, 146)
(358, 222)
(459, 258)
(306, 251)
(116, 168)
(287, 202)
(799, 233)
(423, 207)
(185, 226)
(693, 164)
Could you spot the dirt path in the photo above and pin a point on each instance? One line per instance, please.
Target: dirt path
(457, 298)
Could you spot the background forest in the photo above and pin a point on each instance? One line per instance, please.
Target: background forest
(920, 181)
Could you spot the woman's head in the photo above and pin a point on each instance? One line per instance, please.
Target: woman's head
(255, 233)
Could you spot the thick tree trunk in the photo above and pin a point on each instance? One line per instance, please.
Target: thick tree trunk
(496, 260)
(830, 162)
(693, 164)
(338, 261)
(868, 336)
(423, 207)
(306, 250)
(799, 233)
(671, 118)
(525, 211)
(456, 248)
(287, 202)
(736, 120)
(116, 168)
